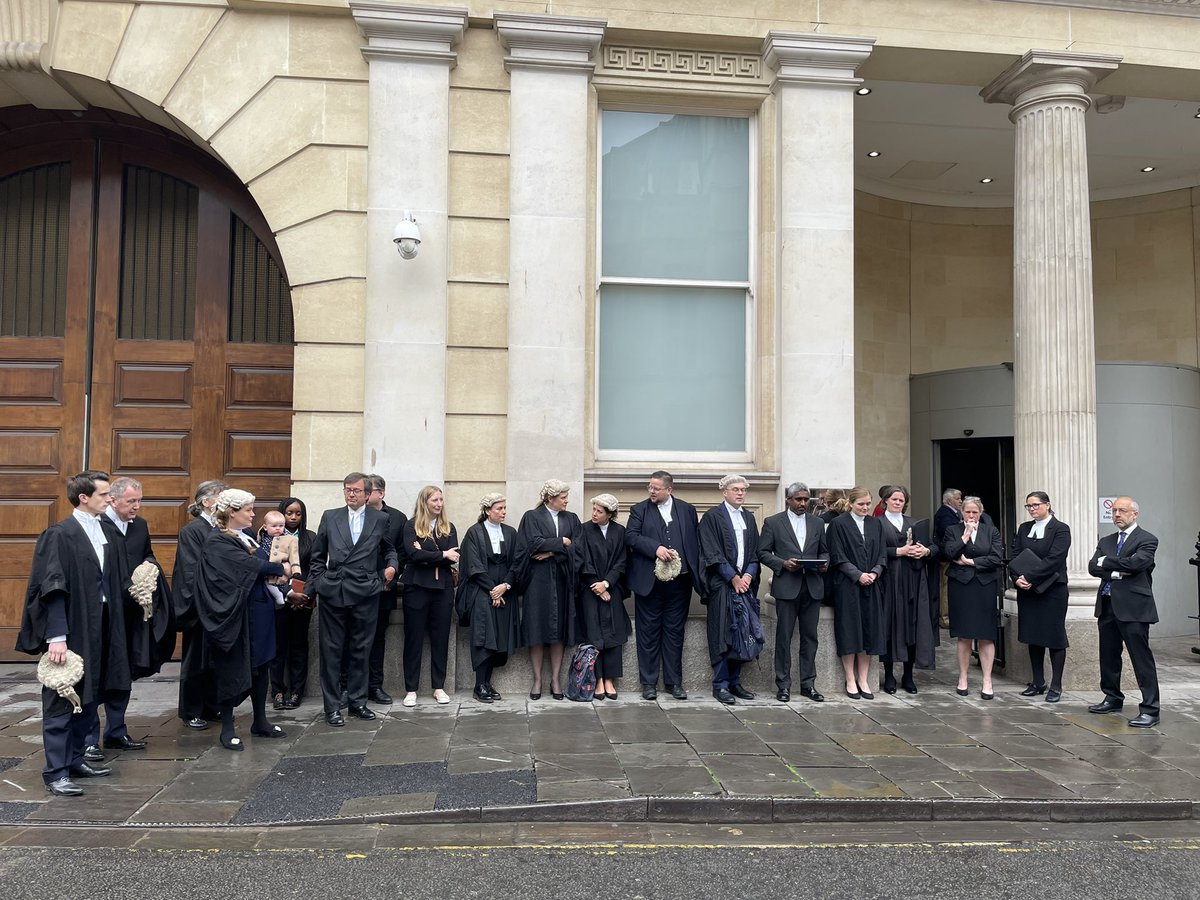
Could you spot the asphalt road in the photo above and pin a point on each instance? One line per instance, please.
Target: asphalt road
(1155, 869)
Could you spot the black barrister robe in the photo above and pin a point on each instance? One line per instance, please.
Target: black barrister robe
(910, 612)
(226, 578)
(494, 630)
(858, 610)
(548, 585)
(605, 624)
(183, 578)
(150, 644)
(65, 571)
(718, 559)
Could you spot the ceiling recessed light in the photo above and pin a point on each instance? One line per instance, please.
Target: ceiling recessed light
(1147, 168)
(873, 153)
(985, 181)
(863, 91)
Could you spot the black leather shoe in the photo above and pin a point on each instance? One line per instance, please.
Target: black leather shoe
(83, 770)
(812, 694)
(1145, 720)
(1053, 696)
(783, 696)
(292, 702)
(196, 723)
(740, 692)
(678, 692)
(910, 687)
(649, 692)
(495, 694)
(279, 702)
(481, 694)
(121, 743)
(1105, 706)
(361, 712)
(888, 684)
(725, 696)
(1032, 690)
(64, 787)
(335, 719)
(962, 692)
(92, 753)
(380, 696)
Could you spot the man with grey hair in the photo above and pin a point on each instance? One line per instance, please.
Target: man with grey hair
(729, 558)
(1125, 610)
(949, 513)
(790, 543)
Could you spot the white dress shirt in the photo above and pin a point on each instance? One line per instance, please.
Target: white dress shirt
(1038, 531)
(897, 519)
(666, 508)
(739, 533)
(357, 517)
(799, 527)
(861, 522)
(495, 534)
(121, 524)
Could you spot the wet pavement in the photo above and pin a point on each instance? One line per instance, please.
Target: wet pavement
(904, 758)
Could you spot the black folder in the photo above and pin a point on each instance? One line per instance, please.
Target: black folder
(1026, 561)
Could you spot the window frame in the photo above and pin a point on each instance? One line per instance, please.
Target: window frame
(642, 458)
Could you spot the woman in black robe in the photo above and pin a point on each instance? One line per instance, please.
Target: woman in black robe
(602, 593)
(1042, 594)
(910, 630)
(485, 602)
(238, 615)
(549, 562)
(975, 554)
(858, 558)
(289, 669)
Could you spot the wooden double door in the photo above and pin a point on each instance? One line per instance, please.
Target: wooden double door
(145, 330)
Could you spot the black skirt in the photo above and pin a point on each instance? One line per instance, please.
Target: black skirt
(973, 610)
(1042, 618)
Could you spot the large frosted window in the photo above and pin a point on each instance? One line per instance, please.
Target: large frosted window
(674, 263)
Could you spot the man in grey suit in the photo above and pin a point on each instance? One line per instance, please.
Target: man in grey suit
(352, 560)
(798, 588)
(1125, 611)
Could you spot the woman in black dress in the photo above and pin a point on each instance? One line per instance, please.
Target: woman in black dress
(432, 547)
(238, 615)
(1042, 595)
(549, 563)
(858, 558)
(975, 554)
(485, 601)
(602, 592)
(910, 631)
(289, 669)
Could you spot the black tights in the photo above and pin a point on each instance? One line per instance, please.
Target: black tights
(907, 679)
(1037, 662)
(260, 681)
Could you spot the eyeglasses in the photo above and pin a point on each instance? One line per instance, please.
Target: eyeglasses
(1033, 505)
(354, 490)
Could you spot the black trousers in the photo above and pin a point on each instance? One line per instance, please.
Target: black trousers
(64, 735)
(387, 603)
(609, 663)
(289, 668)
(426, 612)
(1135, 636)
(115, 704)
(197, 689)
(803, 613)
(344, 636)
(659, 620)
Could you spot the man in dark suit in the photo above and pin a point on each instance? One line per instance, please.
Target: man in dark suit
(660, 528)
(1125, 611)
(798, 589)
(377, 490)
(352, 560)
(73, 602)
(124, 528)
(949, 513)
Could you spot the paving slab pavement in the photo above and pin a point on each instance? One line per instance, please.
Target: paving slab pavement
(925, 757)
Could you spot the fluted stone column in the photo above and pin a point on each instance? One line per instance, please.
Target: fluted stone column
(1054, 329)
(814, 85)
(550, 59)
(410, 50)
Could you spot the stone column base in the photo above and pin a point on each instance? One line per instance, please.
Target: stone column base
(1082, 671)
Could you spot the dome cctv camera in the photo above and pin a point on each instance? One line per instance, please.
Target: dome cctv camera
(407, 236)
(968, 431)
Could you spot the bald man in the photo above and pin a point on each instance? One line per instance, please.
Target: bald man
(1125, 610)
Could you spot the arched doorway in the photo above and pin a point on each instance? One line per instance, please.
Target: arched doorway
(145, 328)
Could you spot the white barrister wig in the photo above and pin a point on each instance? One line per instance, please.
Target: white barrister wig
(62, 677)
(552, 487)
(232, 498)
(668, 569)
(145, 581)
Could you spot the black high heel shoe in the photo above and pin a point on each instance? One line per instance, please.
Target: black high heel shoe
(1032, 690)
(962, 692)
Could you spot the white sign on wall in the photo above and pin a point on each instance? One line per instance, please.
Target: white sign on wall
(1106, 505)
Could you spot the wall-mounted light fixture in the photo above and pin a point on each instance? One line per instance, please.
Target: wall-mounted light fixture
(407, 236)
